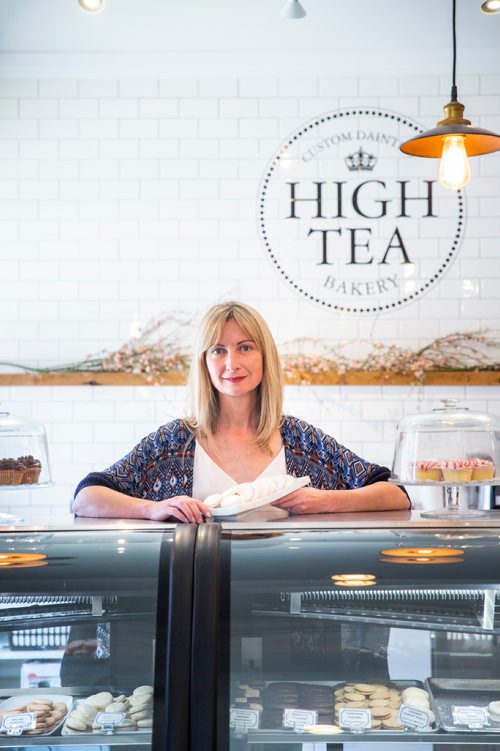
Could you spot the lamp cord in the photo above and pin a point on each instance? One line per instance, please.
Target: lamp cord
(454, 93)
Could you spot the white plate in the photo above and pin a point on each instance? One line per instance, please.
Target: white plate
(22, 699)
(264, 500)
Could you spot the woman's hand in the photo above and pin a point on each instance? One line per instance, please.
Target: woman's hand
(380, 496)
(181, 507)
(307, 500)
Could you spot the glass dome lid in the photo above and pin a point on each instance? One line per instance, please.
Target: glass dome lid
(24, 458)
(449, 445)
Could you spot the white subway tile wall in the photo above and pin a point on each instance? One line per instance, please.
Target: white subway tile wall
(122, 199)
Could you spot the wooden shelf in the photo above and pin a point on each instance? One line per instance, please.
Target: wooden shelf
(351, 378)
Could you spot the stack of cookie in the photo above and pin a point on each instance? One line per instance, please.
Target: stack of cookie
(247, 696)
(48, 714)
(137, 708)
(383, 701)
(318, 697)
(276, 697)
(419, 699)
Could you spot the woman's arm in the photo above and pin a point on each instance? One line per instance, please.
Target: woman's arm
(379, 496)
(99, 501)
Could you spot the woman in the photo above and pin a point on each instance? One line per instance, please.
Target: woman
(236, 432)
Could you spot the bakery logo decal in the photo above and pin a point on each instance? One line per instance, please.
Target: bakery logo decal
(352, 224)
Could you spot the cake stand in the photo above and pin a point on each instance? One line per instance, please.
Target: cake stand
(452, 511)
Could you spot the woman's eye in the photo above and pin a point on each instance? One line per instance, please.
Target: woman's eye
(217, 351)
(246, 348)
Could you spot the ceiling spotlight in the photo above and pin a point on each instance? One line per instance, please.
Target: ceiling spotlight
(293, 9)
(91, 6)
(491, 6)
(454, 138)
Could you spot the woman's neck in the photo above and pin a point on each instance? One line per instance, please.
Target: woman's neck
(237, 414)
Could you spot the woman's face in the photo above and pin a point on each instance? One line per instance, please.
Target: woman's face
(234, 362)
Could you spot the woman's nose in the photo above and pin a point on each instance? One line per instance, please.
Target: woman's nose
(232, 360)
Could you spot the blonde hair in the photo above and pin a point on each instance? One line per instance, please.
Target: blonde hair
(203, 397)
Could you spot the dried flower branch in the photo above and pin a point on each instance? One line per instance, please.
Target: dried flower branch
(152, 353)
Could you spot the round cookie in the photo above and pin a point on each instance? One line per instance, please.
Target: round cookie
(74, 723)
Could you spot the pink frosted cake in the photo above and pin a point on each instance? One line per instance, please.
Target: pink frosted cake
(482, 469)
(426, 471)
(456, 470)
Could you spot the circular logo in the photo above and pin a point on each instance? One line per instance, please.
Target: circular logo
(352, 224)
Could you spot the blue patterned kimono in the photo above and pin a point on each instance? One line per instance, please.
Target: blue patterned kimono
(161, 465)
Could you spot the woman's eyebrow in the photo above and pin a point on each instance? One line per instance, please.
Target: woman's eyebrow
(243, 341)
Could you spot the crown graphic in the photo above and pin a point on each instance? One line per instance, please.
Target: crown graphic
(360, 160)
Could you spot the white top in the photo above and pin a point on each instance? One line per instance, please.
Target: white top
(209, 478)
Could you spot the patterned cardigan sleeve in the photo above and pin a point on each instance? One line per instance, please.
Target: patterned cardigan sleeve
(159, 467)
(330, 465)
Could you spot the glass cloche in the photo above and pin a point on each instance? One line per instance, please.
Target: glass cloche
(24, 459)
(451, 446)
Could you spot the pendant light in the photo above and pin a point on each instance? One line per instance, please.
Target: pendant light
(454, 138)
(293, 9)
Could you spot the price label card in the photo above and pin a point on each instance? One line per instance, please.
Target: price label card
(411, 717)
(15, 724)
(473, 717)
(355, 719)
(297, 719)
(109, 719)
(243, 720)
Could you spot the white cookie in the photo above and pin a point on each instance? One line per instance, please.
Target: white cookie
(74, 723)
(100, 700)
(143, 690)
(116, 706)
(213, 500)
(85, 712)
(230, 500)
(142, 715)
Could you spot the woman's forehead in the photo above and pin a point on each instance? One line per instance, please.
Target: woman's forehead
(231, 331)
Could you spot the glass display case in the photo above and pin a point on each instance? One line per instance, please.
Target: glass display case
(364, 636)
(233, 637)
(24, 458)
(85, 637)
(451, 446)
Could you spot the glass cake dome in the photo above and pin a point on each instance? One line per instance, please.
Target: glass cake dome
(451, 446)
(24, 459)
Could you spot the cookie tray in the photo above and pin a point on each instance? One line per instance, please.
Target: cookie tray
(449, 693)
(21, 699)
(265, 500)
(77, 733)
(401, 685)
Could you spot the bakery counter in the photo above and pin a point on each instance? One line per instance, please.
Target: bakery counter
(265, 517)
(377, 627)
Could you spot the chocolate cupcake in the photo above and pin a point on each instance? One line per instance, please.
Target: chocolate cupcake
(11, 472)
(32, 468)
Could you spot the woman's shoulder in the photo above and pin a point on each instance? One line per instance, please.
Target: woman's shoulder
(174, 434)
(294, 428)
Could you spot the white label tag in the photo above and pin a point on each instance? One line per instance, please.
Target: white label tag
(355, 719)
(411, 717)
(15, 724)
(473, 717)
(109, 719)
(243, 720)
(298, 718)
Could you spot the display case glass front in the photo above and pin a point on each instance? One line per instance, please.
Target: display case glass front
(366, 636)
(78, 627)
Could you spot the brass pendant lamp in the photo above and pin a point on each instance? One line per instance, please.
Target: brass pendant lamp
(454, 138)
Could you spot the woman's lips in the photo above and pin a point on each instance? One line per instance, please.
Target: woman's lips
(235, 379)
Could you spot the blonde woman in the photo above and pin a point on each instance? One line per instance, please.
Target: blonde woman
(235, 432)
